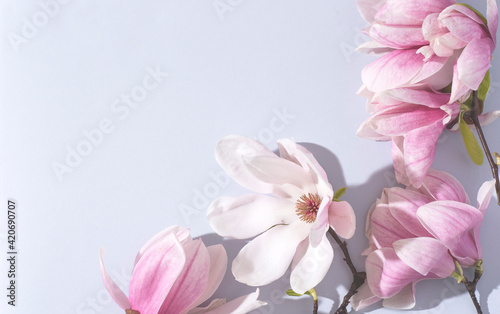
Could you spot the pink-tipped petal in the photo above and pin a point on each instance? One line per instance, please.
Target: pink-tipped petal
(267, 257)
(191, 282)
(474, 62)
(373, 48)
(386, 274)
(115, 292)
(403, 300)
(158, 240)
(309, 269)
(419, 148)
(385, 228)
(463, 23)
(230, 154)
(437, 72)
(300, 155)
(403, 205)
(218, 265)
(458, 88)
(155, 274)
(363, 298)
(248, 215)
(368, 8)
(442, 186)
(431, 99)
(492, 17)
(392, 70)
(342, 219)
(452, 223)
(425, 255)
(397, 37)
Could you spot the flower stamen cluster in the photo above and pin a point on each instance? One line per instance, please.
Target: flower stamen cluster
(307, 207)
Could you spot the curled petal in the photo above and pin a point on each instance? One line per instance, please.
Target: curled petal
(403, 205)
(218, 265)
(246, 216)
(442, 186)
(484, 195)
(387, 274)
(363, 298)
(398, 160)
(425, 255)
(385, 228)
(369, 8)
(267, 257)
(155, 274)
(463, 23)
(492, 17)
(419, 150)
(230, 153)
(321, 224)
(310, 265)
(115, 292)
(191, 282)
(342, 219)
(474, 62)
(159, 240)
(397, 37)
(489, 117)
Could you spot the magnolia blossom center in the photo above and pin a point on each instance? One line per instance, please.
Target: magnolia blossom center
(307, 207)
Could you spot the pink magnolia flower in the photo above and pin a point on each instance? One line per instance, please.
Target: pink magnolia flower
(291, 224)
(413, 118)
(417, 234)
(175, 274)
(432, 41)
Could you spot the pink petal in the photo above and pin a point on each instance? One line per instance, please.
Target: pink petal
(248, 215)
(463, 23)
(474, 62)
(310, 267)
(392, 70)
(368, 8)
(452, 223)
(437, 72)
(115, 292)
(366, 131)
(407, 12)
(387, 274)
(419, 150)
(492, 17)
(385, 228)
(397, 150)
(155, 274)
(320, 225)
(158, 240)
(403, 205)
(431, 28)
(218, 265)
(425, 255)
(230, 153)
(431, 99)
(266, 258)
(442, 186)
(342, 219)
(403, 300)
(191, 282)
(363, 298)
(458, 88)
(397, 36)
(489, 117)
(403, 119)
(243, 304)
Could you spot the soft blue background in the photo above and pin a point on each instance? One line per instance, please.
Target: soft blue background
(266, 69)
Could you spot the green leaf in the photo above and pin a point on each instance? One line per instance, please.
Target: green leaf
(484, 87)
(475, 11)
(292, 293)
(471, 144)
(338, 194)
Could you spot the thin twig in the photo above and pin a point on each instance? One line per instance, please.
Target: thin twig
(358, 277)
(471, 288)
(315, 307)
(494, 167)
